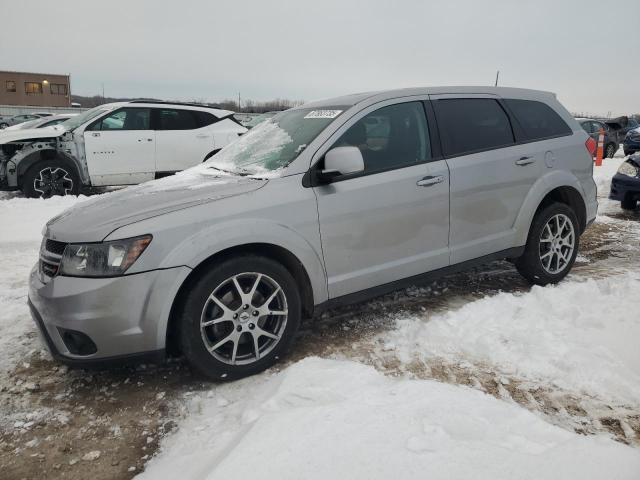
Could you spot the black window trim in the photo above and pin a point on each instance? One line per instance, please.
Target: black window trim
(89, 128)
(310, 178)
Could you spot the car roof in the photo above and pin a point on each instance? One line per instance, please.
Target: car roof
(380, 95)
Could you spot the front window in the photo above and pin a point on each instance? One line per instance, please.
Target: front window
(275, 143)
(75, 122)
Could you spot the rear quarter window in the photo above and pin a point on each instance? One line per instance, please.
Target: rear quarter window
(537, 119)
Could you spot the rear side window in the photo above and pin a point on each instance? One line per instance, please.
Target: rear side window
(204, 119)
(538, 120)
(472, 124)
(170, 119)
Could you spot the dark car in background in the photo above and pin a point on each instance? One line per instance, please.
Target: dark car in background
(593, 127)
(631, 142)
(625, 185)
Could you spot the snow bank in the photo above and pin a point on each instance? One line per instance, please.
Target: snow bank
(21, 221)
(323, 419)
(579, 335)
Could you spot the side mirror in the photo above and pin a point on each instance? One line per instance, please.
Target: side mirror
(341, 161)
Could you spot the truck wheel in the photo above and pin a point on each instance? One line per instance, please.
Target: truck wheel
(629, 202)
(50, 177)
(552, 245)
(610, 151)
(239, 318)
(3, 125)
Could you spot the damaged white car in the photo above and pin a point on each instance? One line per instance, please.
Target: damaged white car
(122, 143)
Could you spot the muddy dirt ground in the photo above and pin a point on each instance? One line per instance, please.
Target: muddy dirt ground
(76, 424)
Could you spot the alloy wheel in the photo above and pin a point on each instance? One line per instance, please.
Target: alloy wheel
(244, 318)
(557, 243)
(53, 181)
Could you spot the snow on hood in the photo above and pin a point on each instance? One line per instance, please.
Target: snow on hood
(94, 219)
(29, 134)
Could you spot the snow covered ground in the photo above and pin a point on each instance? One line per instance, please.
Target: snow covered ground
(476, 375)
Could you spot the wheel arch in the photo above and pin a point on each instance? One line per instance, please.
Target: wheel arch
(24, 163)
(267, 250)
(560, 186)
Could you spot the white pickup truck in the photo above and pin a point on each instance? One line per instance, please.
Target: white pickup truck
(122, 143)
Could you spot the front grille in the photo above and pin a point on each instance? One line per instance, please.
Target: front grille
(54, 246)
(50, 256)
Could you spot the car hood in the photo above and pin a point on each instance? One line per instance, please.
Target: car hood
(94, 219)
(7, 136)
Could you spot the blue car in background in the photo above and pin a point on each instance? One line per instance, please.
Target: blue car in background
(625, 185)
(631, 142)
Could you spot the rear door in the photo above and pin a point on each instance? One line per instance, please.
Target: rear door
(120, 147)
(392, 221)
(490, 174)
(183, 138)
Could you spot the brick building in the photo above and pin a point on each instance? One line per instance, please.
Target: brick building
(35, 89)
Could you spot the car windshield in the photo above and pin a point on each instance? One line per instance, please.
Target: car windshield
(75, 122)
(275, 143)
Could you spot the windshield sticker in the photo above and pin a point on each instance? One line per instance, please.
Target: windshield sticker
(323, 114)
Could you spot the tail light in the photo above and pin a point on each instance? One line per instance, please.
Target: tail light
(591, 146)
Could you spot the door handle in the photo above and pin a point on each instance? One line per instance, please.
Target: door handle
(524, 161)
(148, 139)
(430, 180)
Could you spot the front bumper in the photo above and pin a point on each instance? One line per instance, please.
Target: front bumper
(624, 186)
(125, 317)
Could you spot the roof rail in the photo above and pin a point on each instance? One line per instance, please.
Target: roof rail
(161, 102)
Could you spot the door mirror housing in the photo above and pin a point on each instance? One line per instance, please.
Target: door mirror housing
(341, 161)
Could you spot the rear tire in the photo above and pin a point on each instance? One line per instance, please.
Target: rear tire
(235, 334)
(552, 245)
(50, 178)
(629, 203)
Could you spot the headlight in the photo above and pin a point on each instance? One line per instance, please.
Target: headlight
(628, 168)
(107, 259)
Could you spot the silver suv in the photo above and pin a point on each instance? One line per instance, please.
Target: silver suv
(329, 203)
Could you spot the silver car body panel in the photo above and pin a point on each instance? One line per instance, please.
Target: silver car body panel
(349, 236)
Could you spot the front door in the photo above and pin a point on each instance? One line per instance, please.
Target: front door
(391, 222)
(120, 148)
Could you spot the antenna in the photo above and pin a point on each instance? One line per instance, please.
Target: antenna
(497, 77)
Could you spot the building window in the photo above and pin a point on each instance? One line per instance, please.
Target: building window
(58, 89)
(32, 88)
(11, 86)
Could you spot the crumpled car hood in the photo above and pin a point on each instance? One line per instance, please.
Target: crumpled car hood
(92, 220)
(7, 136)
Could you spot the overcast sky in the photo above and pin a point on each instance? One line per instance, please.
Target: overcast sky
(584, 50)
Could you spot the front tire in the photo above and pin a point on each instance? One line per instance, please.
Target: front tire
(50, 178)
(552, 245)
(240, 317)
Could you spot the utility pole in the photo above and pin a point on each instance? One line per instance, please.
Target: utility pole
(497, 76)
(238, 102)
(103, 100)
